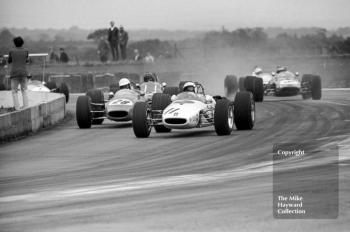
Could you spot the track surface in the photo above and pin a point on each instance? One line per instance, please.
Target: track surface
(104, 179)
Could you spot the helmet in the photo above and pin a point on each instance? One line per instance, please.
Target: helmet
(258, 70)
(281, 69)
(149, 77)
(189, 87)
(124, 83)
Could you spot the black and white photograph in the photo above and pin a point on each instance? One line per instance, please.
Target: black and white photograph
(174, 115)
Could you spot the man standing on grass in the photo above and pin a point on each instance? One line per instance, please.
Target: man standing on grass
(123, 41)
(19, 58)
(113, 39)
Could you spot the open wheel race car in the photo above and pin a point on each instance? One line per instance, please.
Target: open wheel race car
(198, 111)
(35, 85)
(289, 84)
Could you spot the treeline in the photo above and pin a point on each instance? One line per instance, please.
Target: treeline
(318, 43)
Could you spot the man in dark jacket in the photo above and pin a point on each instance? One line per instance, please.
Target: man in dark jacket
(18, 58)
(63, 56)
(113, 39)
(123, 41)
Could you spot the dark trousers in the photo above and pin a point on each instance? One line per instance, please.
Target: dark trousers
(123, 51)
(114, 50)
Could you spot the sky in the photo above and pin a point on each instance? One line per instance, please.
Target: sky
(174, 14)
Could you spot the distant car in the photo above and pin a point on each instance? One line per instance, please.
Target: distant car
(194, 111)
(35, 85)
(92, 108)
(289, 84)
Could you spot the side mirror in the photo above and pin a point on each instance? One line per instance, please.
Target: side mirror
(173, 98)
(164, 84)
(273, 74)
(297, 74)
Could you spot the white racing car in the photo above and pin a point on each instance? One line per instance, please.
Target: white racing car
(35, 85)
(286, 83)
(194, 110)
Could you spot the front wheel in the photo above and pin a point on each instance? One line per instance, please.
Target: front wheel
(141, 120)
(83, 112)
(244, 111)
(223, 117)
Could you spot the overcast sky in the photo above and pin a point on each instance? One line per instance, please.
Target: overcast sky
(174, 14)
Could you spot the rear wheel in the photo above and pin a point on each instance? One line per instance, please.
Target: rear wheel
(83, 112)
(241, 84)
(244, 111)
(97, 97)
(51, 85)
(159, 102)
(230, 84)
(171, 90)
(316, 88)
(223, 117)
(306, 83)
(255, 85)
(64, 89)
(141, 120)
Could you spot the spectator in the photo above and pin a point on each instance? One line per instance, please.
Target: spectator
(19, 58)
(137, 56)
(53, 56)
(149, 58)
(103, 49)
(113, 39)
(123, 41)
(63, 56)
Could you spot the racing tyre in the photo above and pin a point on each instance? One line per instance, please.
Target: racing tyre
(259, 90)
(230, 85)
(316, 88)
(159, 102)
(241, 84)
(51, 85)
(140, 120)
(244, 111)
(64, 89)
(306, 83)
(97, 97)
(223, 117)
(83, 112)
(171, 91)
(113, 87)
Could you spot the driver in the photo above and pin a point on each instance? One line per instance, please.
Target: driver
(149, 77)
(190, 93)
(124, 83)
(257, 71)
(281, 69)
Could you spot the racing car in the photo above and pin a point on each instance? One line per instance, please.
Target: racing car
(92, 108)
(195, 111)
(287, 83)
(35, 85)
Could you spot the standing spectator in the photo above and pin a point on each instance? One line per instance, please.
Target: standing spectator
(19, 58)
(113, 39)
(137, 56)
(149, 58)
(53, 56)
(103, 49)
(123, 41)
(63, 56)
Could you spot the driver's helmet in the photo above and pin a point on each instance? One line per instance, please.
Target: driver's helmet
(189, 87)
(258, 70)
(281, 69)
(149, 77)
(124, 83)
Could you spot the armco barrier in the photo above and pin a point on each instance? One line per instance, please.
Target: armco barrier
(38, 115)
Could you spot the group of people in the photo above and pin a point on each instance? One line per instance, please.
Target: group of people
(61, 58)
(118, 40)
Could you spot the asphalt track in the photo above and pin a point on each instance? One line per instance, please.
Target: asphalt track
(105, 179)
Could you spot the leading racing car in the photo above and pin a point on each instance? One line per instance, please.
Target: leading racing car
(192, 108)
